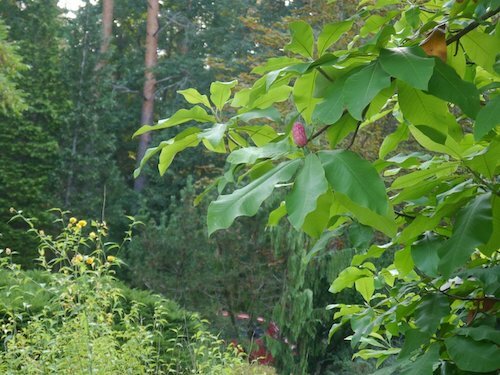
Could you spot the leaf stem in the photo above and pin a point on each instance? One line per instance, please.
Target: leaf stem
(471, 26)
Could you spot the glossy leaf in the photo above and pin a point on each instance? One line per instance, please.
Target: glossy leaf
(182, 116)
(271, 114)
(393, 140)
(472, 355)
(488, 118)
(366, 216)
(423, 109)
(432, 308)
(472, 228)
(169, 152)
(302, 39)
(317, 221)
(341, 129)
(220, 93)
(425, 255)
(424, 364)
(360, 88)
(331, 34)
(365, 286)
(331, 108)
(247, 200)
(215, 134)
(249, 155)
(276, 215)
(309, 185)
(348, 277)
(403, 261)
(355, 177)
(446, 84)
(194, 97)
(409, 64)
(480, 46)
(303, 95)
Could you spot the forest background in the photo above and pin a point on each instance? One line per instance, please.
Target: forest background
(68, 143)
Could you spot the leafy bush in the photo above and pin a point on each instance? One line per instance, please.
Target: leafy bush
(75, 317)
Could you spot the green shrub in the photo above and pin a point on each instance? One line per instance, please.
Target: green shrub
(75, 317)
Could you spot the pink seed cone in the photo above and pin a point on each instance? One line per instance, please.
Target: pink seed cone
(299, 134)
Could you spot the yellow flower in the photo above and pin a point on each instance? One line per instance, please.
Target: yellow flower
(110, 258)
(90, 261)
(92, 235)
(72, 220)
(77, 259)
(81, 224)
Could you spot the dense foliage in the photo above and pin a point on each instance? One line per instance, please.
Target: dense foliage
(432, 67)
(80, 319)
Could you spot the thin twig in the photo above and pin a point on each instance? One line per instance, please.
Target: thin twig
(471, 26)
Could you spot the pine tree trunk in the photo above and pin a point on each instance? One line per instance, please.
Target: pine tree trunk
(149, 85)
(107, 32)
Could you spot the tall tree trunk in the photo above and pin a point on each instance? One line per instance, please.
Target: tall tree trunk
(107, 32)
(149, 85)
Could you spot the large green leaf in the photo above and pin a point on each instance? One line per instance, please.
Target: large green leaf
(302, 39)
(331, 108)
(472, 355)
(316, 221)
(472, 228)
(355, 177)
(393, 140)
(480, 48)
(270, 113)
(488, 118)
(220, 92)
(194, 97)
(446, 84)
(430, 311)
(274, 95)
(276, 63)
(424, 364)
(494, 241)
(425, 256)
(309, 185)
(486, 162)
(365, 286)
(168, 152)
(348, 277)
(481, 333)
(303, 95)
(415, 178)
(182, 116)
(361, 87)
(409, 64)
(249, 155)
(403, 261)
(190, 133)
(341, 129)
(423, 109)
(331, 33)
(260, 134)
(215, 134)
(366, 216)
(247, 200)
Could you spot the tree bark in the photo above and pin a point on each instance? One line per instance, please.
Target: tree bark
(147, 114)
(107, 32)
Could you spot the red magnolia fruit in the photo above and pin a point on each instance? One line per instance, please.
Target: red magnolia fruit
(299, 134)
